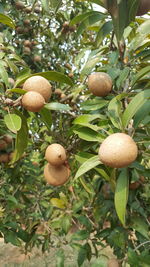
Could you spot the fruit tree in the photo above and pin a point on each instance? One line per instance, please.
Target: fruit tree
(75, 128)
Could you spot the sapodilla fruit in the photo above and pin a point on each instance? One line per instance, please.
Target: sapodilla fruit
(113, 263)
(4, 158)
(100, 83)
(3, 144)
(33, 101)
(39, 85)
(8, 139)
(55, 154)
(144, 7)
(56, 175)
(118, 150)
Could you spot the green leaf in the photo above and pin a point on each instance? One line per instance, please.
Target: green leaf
(89, 135)
(49, 75)
(66, 223)
(21, 139)
(45, 5)
(16, 90)
(121, 195)
(88, 21)
(142, 113)
(80, 17)
(3, 74)
(86, 118)
(80, 235)
(56, 106)
(104, 30)
(87, 165)
(60, 258)
(94, 104)
(140, 74)
(13, 122)
(22, 76)
(114, 109)
(137, 102)
(58, 203)
(140, 226)
(46, 118)
(7, 21)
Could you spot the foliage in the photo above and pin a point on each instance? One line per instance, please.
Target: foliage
(33, 213)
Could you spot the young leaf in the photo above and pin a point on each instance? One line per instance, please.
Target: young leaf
(121, 195)
(13, 122)
(137, 102)
(7, 20)
(87, 165)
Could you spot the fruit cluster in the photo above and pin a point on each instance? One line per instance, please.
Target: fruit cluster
(4, 143)
(38, 93)
(56, 171)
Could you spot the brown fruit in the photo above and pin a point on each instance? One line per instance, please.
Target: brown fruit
(118, 150)
(3, 144)
(19, 30)
(4, 158)
(8, 139)
(71, 74)
(27, 50)
(33, 101)
(26, 22)
(58, 91)
(34, 42)
(28, 10)
(37, 10)
(11, 81)
(144, 7)
(39, 85)
(100, 83)
(55, 154)
(66, 24)
(11, 156)
(27, 43)
(37, 58)
(62, 96)
(68, 66)
(113, 263)
(56, 175)
(134, 186)
(26, 30)
(19, 5)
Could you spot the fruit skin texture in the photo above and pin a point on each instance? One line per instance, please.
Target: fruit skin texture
(39, 85)
(55, 154)
(144, 7)
(4, 158)
(113, 263)
(118, 150)
(8, 139)
(56, 175)
(33, 101)
(3, 144)
(99, 83)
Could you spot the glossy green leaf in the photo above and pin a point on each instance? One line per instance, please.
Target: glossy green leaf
(94, 104)
(89, 135)
(86, 118)
(86, 187)
(80, 17)
(88, 21)
(7, 20)
(121, 195)
(56, 106)
(21, 139)
(137, 102)
(87, 165)
(46, 118)
(58, 203)
(17, 91)
(140, 74)
(66, 223)
(142, 113)
(140, 226)
(22, 76)
(80, 235)
(13, 122)
(103, 32)
(49, 75)
(3, 74)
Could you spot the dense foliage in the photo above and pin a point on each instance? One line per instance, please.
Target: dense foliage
(65, 41)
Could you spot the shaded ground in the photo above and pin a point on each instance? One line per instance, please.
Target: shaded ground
(11, 256)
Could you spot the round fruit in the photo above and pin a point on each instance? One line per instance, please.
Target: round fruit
(62, 96)
(144, 7)
(56, 175)
(3, 144)
(11, 81)
(26, 30)
(4, 158)
(37, 58)
(28, 9)
(27, 43)
(27, 50)
(19, 30)
(58, 91)
(37, 10)
(100, 83)
(19, 5)
(55, 154)
(39, 85)
(33, 101)
(26, 22)
(134, 186)
(11, 156)
(8, 139)
(113, 263)
(118, 150)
